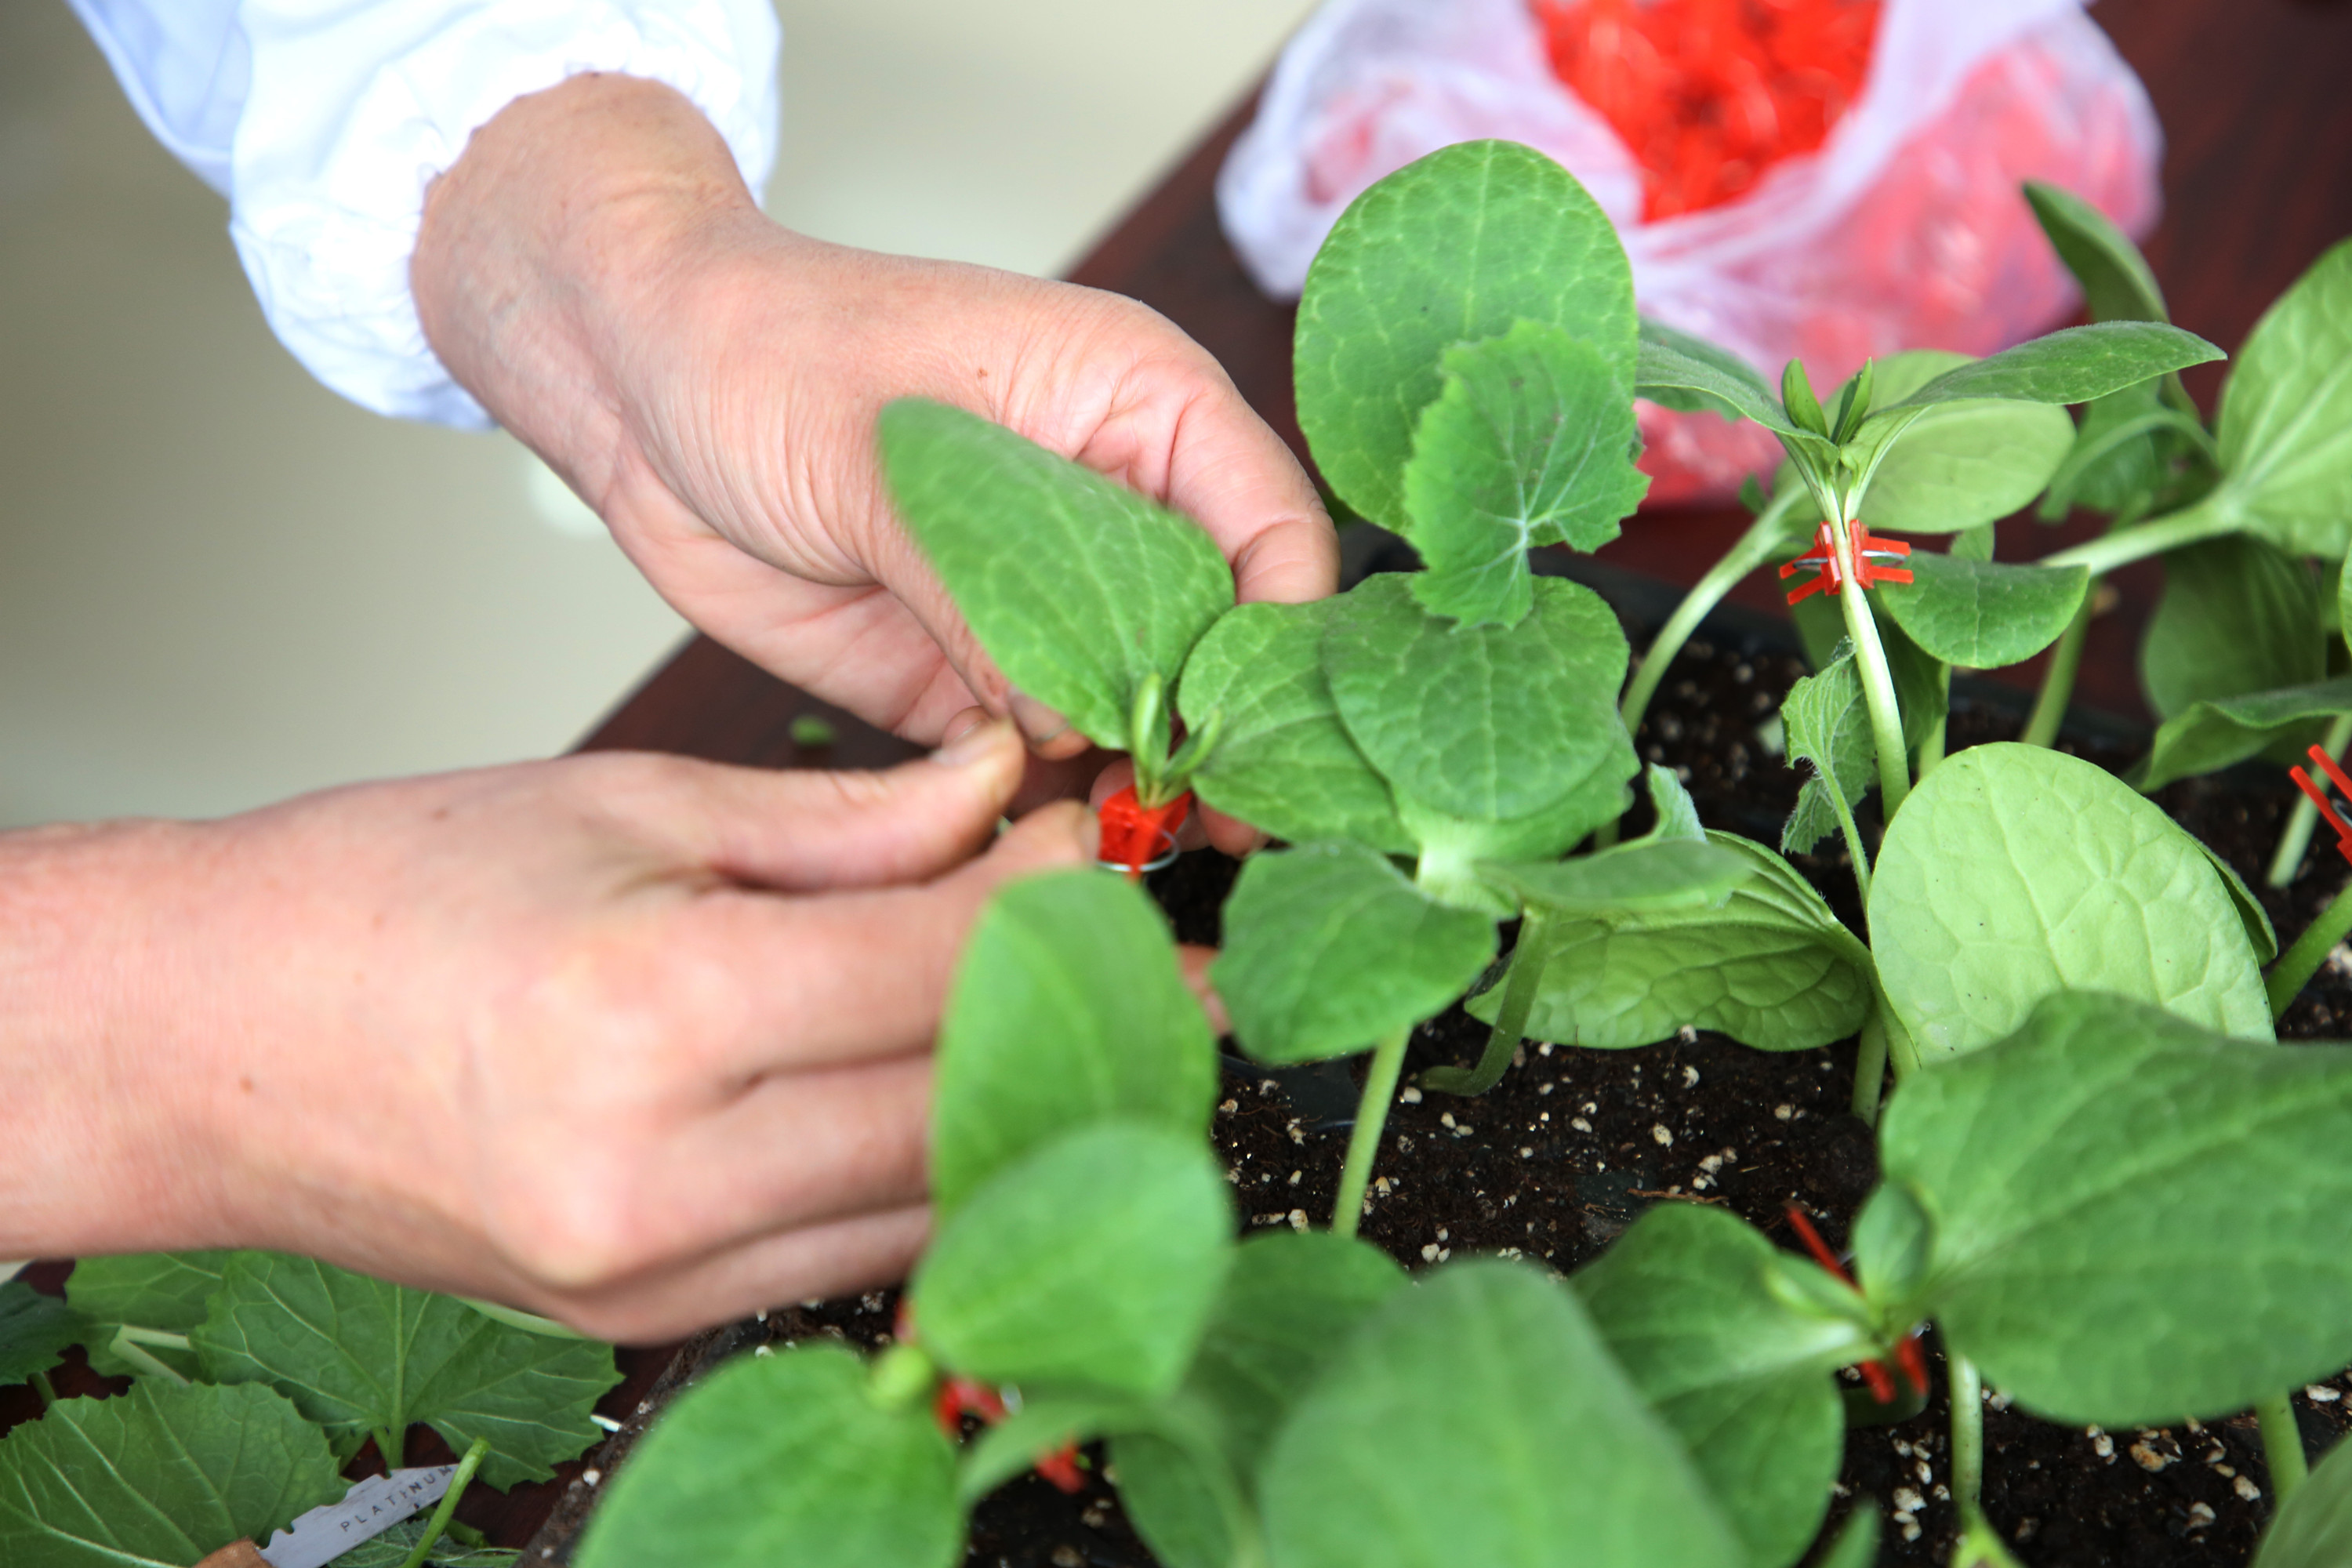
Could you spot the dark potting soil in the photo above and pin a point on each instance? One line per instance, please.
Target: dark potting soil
(1574, 1144)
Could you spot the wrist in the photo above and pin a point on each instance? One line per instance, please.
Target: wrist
(110, 1145)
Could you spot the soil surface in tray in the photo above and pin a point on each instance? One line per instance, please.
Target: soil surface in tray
(1563, 1154)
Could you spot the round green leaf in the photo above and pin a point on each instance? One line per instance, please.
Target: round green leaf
(783, 1459)
(1326, 949)
(2012, 872)
(1455, 248)
(1983, 614)
(1958, 464)
(1478, 1418)
(2237, 616)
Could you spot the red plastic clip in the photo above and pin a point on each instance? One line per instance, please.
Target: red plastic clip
(1907, 1354)
(2319, 793)
(961, 1396)
(1139, 837)
(1830, 573)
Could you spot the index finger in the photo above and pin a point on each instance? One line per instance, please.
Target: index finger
(1230, 472)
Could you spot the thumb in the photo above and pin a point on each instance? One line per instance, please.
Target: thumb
(808, 831)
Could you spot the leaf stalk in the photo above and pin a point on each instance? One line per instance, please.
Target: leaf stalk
(1364, 1138)
(2298, 964)
(1967, 1389)
(2294, 840)
(440, 1519)
(2281, 1445)
(1520, 986)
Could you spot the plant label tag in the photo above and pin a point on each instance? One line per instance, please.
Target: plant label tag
(368, 1510)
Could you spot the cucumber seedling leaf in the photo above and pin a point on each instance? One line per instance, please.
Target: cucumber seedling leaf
(1530, 444)
(392, 1549)
(361, 1356)
(1283, 762)
(2286, 422)
(2013, 872)
(2118, 283)
(2237, 616)
(1957, 464)
(1675, 370)
(1076, 585)
(1327, 948)
(2073, 364)
(784, 1458)
(35, 1330)
(1642, 878)
(1983, 614)
(152, 1294)
(1290, 1303)
(1091, 1263)
(1826, 723)
(1478, 1418)
(2313, 1527)
(1771, 967)
(1068, 1007)
(1456, 247)
(2211, 735)
(1695, 1305)
(1486, 723)
(2133, 1218)
(1857, 1545)
(157, 1478)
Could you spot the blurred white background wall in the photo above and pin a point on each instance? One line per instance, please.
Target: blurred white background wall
(220, 584)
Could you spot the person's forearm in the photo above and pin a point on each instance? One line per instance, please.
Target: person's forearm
(103, 1140)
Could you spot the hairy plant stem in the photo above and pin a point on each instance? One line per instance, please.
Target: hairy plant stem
(1877, 685)
(393, 1449)
(2298, 964)
(440, 1519)
(2282, 1446)
(1968, 1432)
(1520, 985)
(1870, 1069)
(2209, 518)
(45, 1388)
(2049, 713)
(1364, 1139)
(2294, 842)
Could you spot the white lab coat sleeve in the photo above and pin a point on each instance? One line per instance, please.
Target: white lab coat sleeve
(324, 121)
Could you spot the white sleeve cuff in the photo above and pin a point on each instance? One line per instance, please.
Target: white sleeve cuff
(356, 108)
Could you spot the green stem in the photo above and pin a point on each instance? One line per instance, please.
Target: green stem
(126, 1344)
(2282, 1446)
(1968, 1432)
(1853, 847)
(2057, 691)
(1765, 538)
(391, 1449)
(1878, 695)
(1931, 749)
(45, 1388)
(1520, 986)
(1870, 1069)
(2208, 519)
(2295, 841)
(1364, 1140)
(458, 1483)
(2295, 966)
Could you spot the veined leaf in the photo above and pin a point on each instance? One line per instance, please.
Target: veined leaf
(2285, 425)
(1456, 851)
(1532, 443)
(2211, 735)
(2073, 364)
(157, 1478)
(1091, 1263)
(1283, 761)
(2132, 1218)
(1478, 1418)
(783, 1459)
(2313, 1528)
(2117, 284)
(1487, 723)
(1327, 949)
(1067, 1008)
(359, 1355)
(1645, 877)
(1678, 371)
(35, 1330)
(1958, 464)
(2012, 872)
(1729, 1340)
(1455, 248)
(2237, 616)
(1771, 967)
(1827, 724)
(1982, 614)
(167, 1291)
(1077, 587)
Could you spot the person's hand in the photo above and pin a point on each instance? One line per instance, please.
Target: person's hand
(594, 270)
(637, 1042)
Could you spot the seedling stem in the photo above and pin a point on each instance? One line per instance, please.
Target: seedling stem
(1967, 1389)
(1765, 538)
(1520, 986)
(1364, 1139)
(1870, 1068)
(2208, 519)
(2281, 1445)
(2049, 712)
(1877, 683)
(2294, 842)
(440, 1519)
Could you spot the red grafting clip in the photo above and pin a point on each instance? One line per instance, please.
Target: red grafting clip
(1829, 574)
(1061, 1467)
(1137, 838)
(1874, 1373)
(961, 1396)
(2303, 781)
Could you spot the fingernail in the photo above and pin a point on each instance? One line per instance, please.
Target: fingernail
(1037, 721)
(970, 741)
